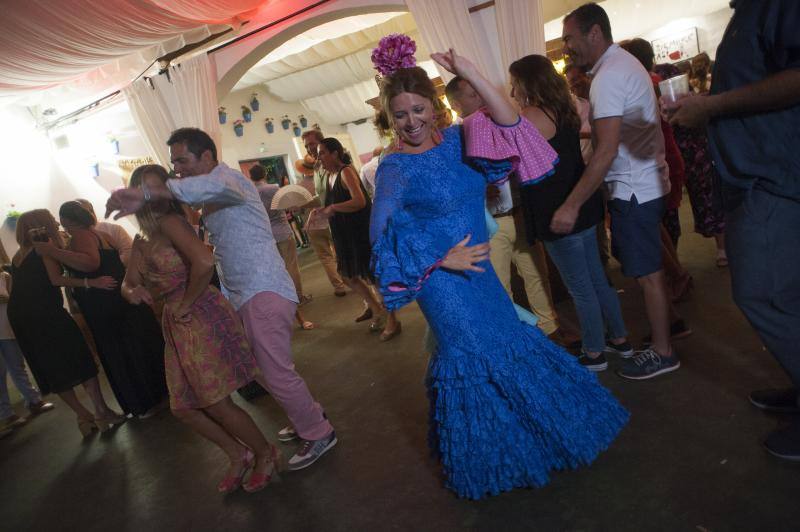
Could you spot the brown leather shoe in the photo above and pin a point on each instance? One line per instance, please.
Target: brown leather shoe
(364, 316)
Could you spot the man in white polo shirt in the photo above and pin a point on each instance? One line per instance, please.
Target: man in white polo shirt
(629, 157)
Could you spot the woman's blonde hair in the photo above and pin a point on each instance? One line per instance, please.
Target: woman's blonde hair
(37, 218)
(536, 78)
(146, 216)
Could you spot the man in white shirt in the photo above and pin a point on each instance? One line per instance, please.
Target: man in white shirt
(629, 157)
(508, 245)
(369, 170)
(252, 274)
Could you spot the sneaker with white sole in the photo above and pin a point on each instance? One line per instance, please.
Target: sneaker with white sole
(287, 434)
(648, 364)
(311, 450)
(624, 350)
(595, 364)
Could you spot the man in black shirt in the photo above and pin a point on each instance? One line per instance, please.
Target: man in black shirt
(753, 116)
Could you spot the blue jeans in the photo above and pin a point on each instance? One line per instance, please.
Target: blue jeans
(577, 258)
(11, 362)
(762, 239)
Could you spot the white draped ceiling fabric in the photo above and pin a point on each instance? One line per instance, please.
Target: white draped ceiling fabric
(520, 29)
(334, 77)
(447, 24)
(94, 45)
(330, 49)
(187, 97)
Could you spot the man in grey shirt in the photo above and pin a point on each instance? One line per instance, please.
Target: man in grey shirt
(252, 275)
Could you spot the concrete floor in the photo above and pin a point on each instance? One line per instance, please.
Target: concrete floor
(690, 459)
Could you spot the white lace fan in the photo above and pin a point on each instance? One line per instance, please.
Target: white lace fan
(290, 197)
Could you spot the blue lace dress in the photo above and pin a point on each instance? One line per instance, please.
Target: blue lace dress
(507, 406)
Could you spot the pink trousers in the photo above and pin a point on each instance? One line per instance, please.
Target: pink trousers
(268, 322)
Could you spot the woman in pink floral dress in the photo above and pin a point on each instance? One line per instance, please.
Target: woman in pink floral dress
(206, 355)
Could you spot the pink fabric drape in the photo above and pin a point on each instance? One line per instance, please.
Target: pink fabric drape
(45, 43)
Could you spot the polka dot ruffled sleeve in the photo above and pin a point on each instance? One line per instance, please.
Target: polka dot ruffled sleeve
(530, 155)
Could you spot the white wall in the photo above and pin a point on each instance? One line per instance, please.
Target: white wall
(256, 142)
(710, 29)
(25, 182)
(36, 175)
(365, 137)
(653, 20)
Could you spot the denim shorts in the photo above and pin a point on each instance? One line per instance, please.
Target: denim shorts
(636, 235)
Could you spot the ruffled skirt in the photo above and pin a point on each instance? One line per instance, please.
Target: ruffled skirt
(507, 406)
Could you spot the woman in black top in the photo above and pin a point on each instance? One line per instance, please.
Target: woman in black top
(546, 101)
(128, 337)
(50, 339)
(348, 207)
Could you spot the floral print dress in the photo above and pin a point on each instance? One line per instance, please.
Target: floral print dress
(206, 355)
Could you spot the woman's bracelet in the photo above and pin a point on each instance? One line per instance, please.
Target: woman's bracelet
(86, 282)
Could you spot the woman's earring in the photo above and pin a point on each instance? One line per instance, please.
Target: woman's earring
(437, 136)
(398, 142)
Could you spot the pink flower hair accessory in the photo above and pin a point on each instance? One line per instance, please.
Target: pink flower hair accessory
(394, 51)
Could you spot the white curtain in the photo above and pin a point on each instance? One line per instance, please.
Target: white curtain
(152, 117)
(520, 29)
(195, 87)
(446, 24)
(187, 98)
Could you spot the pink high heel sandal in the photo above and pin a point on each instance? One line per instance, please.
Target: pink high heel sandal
(259, 481)
(231, 483)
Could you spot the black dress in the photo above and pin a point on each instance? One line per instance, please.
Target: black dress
(541, 200)
(128, 338)
(49, 338)
(350, 232)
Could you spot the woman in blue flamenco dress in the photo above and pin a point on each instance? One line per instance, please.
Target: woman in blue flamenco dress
(507, 406)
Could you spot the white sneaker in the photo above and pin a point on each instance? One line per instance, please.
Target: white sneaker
(311, 450)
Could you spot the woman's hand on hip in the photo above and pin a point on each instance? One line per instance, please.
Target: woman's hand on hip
(464, 258)
(138, 295)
